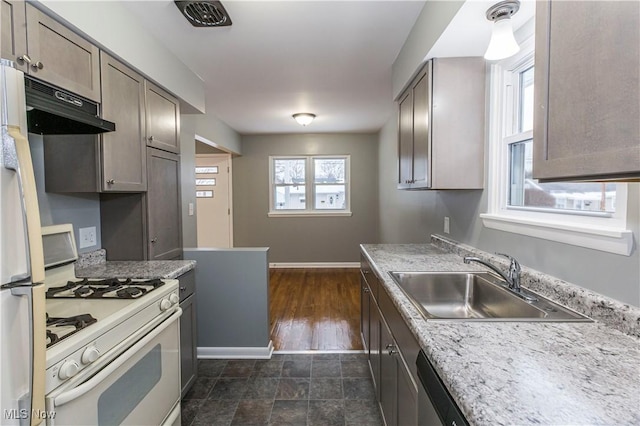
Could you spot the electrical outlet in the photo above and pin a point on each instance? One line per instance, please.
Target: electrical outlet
(88, 237)
(190, 209)
(446, 224)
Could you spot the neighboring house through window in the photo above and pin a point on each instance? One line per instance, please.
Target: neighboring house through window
(309, 185)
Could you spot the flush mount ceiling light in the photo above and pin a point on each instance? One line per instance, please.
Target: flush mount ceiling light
(304, 118)
(503, 44)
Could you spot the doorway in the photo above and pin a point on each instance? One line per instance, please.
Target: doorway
(213, 200)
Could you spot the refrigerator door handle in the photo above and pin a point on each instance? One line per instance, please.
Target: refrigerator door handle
(34, 403)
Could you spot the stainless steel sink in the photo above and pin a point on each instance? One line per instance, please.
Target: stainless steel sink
(476, 297)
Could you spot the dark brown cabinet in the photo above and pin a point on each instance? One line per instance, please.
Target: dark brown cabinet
(441, 126)
(188, 332)
(587, 90)
(163, 119)
(48, 50)
(123, 153)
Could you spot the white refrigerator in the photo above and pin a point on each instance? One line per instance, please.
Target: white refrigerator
(22, 293)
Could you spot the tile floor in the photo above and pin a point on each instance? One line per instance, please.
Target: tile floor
(300, 389)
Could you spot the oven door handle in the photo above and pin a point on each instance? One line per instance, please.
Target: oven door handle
(78, 391)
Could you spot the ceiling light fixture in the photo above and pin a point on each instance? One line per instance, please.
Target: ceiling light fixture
(503, 44)
(304, 118)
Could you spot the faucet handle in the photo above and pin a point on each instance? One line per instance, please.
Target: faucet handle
(515, 265)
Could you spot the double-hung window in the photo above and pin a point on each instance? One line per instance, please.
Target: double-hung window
(309, 185)
(585, 214)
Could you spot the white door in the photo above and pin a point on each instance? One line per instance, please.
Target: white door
(213, 200)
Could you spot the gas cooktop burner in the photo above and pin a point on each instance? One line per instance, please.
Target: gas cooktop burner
(111, 288)
(66, 326)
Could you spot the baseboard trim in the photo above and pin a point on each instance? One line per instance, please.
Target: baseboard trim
(284, 265)
(236, 353)
(314, 352)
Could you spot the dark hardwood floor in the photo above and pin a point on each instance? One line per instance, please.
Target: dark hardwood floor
(315, 309)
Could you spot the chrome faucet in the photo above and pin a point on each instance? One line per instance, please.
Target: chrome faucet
(512, 278)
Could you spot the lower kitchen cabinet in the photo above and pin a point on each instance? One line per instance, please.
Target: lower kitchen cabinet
(391, 350)
(188, 332)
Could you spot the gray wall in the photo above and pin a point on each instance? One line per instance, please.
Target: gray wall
(188, 179)
(414, 216)
(82, 210)
(232, 297)
(432, 21)
(306, 239)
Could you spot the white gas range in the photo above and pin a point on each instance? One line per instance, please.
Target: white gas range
(113, 352)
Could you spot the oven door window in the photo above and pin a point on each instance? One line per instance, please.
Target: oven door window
(124, 395)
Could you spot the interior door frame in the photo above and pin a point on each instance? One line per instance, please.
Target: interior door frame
(229, 158)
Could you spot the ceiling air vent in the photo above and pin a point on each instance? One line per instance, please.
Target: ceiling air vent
(204, 13)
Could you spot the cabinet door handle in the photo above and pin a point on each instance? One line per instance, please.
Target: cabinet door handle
(23, 59)
(183, 289)
(366, 289)
(37, 66)
(391, 348)
(151, 139)
(111, 181)
(154, 240)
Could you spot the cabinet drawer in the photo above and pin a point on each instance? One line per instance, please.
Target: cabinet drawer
(187, 284)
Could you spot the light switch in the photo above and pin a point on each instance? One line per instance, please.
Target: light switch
(190, 209)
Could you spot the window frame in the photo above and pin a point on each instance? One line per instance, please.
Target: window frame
(310, 186)
(600, 231)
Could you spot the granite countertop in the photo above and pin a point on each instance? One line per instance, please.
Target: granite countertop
(136, 269)
(520, 373)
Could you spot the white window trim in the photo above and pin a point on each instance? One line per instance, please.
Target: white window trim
(310, 186)
(609, 234)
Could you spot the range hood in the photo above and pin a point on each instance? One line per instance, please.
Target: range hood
(53, 111)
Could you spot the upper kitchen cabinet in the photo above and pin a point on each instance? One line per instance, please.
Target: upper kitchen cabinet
(163, 119)
(14, 32)
(163, 206)
(123, 152)
(441, 126)
(49, 51)
(145, 226)
(587, 90)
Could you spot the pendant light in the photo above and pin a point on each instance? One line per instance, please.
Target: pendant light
(503, 44)
(304, 118)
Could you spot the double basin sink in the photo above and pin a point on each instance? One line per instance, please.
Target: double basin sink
(477, 296)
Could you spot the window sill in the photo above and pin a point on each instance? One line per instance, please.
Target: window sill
(310, 214)
(611, 240)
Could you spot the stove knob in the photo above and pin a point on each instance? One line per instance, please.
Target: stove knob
(165, 304)
(68, 369)
(90, 354)
(173, 298)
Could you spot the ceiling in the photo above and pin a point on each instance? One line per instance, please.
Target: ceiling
(330, 58)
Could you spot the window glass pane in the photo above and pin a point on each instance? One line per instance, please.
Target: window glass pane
(524, 191)
(330, 197)
(329, 170)
(526, 100)
(290, 170)
(290, 197)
